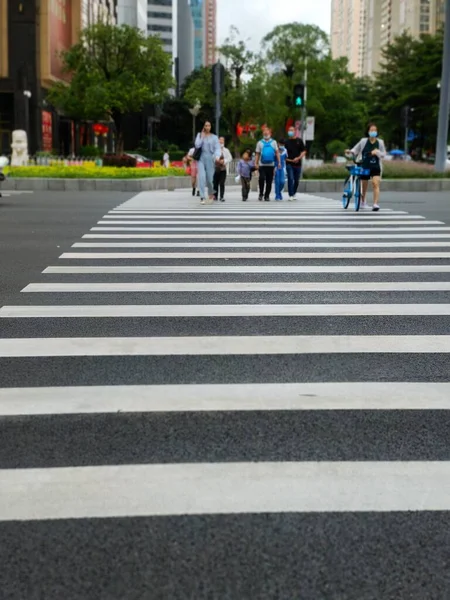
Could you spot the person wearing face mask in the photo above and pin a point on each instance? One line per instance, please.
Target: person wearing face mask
(221, 172)
(296, 151)
(267, 157)
(280, 175)
(208, 147)
(369, 152)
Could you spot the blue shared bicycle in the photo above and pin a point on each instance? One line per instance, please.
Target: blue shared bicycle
(352, 185)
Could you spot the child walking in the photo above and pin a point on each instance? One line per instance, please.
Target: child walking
(280, 171)
(245, 169)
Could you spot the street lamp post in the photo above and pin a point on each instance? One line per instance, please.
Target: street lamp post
(444, 105)
(194, 112)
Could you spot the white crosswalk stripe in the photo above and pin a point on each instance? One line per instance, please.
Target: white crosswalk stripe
(276, 379)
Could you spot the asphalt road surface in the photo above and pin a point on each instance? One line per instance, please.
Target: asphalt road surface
(244, 401)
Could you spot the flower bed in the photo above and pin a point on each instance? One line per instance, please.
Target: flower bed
(92, 172)
(391, 170)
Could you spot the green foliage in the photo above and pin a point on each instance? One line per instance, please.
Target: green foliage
(113, 71)
(409, 75)
(90, 151)
(336, 147)
(258, 88)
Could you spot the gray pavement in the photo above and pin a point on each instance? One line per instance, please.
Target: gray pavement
(251, 471)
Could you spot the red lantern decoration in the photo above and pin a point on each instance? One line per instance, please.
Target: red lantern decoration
(97, 128)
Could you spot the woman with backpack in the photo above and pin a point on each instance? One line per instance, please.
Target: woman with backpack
(267, 157)
(369, 152)
(207, 153)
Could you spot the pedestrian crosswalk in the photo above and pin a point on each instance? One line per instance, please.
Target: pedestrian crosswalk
(205, 411)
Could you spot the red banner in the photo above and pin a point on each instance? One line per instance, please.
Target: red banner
(47, 132)
(60, 34)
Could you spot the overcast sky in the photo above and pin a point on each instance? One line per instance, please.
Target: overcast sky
(255, 18)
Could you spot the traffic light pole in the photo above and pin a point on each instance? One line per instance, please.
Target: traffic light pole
(303, 117)
(218, 91)
(444, 106)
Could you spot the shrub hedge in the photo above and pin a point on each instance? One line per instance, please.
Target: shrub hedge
(61, 172)
(391, 170)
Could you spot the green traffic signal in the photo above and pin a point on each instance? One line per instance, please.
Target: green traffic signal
(298, 101)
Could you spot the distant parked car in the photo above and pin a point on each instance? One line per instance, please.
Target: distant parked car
(141, 161)
(340, 160)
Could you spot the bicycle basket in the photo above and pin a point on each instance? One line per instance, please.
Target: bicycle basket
(356, 170)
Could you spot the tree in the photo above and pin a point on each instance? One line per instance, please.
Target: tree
(237, 61)
(291, 44)
(114, 71)
(409, 74)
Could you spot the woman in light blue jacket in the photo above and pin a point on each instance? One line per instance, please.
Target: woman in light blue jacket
(211, 152)
(370, 152)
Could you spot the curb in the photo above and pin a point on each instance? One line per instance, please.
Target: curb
(308, 186)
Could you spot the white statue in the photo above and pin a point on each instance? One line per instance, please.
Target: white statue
(19, 147)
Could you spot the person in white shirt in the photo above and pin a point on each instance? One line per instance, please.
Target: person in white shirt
(166, 159)
(221, 172)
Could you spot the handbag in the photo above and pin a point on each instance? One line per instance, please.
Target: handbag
(197, 153)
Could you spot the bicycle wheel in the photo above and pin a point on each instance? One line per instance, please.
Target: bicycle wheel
(348, 192)
(357, 193)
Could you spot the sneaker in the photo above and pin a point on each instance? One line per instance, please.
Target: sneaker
(363, 206)
(202, 201)
(291, 199)
(198, 194)
(266, 199)
(193, 191)
(222, 199)
(375, 208)
(260, 198)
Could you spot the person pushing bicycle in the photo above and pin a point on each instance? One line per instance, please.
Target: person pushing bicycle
(370, 152)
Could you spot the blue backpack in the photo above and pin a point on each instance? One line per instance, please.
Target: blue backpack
(268, 154)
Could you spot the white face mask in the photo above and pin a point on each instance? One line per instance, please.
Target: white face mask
(222, 145)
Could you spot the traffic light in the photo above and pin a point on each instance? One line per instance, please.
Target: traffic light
(218, 78)
(299, 95)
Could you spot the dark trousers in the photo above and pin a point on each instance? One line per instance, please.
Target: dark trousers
(219, 183)
(245, 183)
(265, 181)
(293, 175)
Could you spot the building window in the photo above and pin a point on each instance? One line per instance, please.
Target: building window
(162, 2)
(159, 15)
(167, 28)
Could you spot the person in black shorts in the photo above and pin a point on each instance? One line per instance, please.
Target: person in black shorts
(370, 151)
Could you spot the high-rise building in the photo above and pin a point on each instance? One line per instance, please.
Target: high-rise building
(133, 13)
(387, 19)
(186, 40)
(347, 25)
(161, 21)
(197, 7)
(371, 37)
(32, 36)
(210, 31)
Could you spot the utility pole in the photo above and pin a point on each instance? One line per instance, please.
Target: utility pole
(406, 113)
(444, 105)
